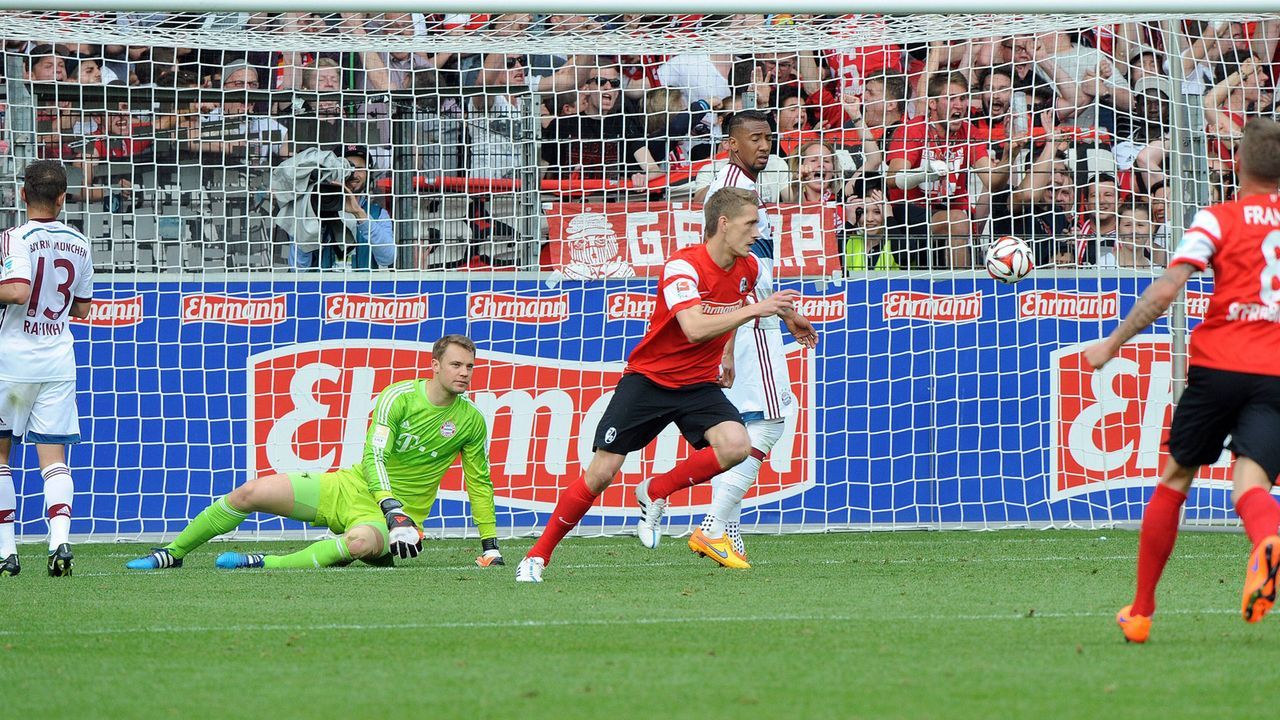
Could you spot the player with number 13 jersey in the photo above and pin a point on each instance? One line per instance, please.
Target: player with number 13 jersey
(46, 278)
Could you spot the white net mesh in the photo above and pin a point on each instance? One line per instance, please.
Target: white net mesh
(286, 210)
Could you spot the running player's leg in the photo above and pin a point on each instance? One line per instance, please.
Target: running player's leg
(1201, 422)
(726, 445)
(1257, 464)
(732, 485)
(712, 425)
(574, 502)
(636, 413)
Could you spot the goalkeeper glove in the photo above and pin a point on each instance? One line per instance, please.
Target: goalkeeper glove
(491, 555)
(405, 536)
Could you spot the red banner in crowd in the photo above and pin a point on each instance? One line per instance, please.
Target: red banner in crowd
(619, 240)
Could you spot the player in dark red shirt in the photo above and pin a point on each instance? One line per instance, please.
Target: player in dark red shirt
(1233, 384)
(675, 373)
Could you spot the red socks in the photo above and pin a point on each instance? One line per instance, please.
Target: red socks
(699, 467)
(1260, 513)
(1155, 543)
(573, 504)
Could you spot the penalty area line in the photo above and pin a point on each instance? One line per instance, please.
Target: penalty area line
(586, 622)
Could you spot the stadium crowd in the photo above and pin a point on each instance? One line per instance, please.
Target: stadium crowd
(925, 150)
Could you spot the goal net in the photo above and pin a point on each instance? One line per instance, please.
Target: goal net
(286, 210)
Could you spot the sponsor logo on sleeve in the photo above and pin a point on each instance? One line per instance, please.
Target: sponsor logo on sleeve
(381, 434)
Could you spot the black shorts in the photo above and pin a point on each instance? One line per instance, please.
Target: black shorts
(641, 408)
(1218, 403)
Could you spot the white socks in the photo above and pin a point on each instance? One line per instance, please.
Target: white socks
(730, 486)
(8, 513)
(58, 492)
(727, 494)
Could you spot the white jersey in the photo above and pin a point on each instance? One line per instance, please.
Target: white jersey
(55, 261)
(761, 385)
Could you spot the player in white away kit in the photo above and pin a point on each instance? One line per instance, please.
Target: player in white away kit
(47, 278)
(761, 388)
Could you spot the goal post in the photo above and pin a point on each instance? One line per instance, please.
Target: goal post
(288, 206)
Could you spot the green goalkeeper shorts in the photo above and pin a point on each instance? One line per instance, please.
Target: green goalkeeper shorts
(341, 499)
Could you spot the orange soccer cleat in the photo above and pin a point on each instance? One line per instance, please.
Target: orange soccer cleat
(1260, 579)
(719, 549)
(1136, 628)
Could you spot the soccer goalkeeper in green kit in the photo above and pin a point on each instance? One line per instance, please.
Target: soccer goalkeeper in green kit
(417, 430)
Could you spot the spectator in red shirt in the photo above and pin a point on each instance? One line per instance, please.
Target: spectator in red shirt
(930, 161)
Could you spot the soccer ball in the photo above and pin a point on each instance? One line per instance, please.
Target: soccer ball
(1009, 259)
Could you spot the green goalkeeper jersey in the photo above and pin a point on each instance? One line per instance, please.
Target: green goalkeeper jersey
(412, 443)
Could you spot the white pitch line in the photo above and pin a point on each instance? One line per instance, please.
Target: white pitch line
(836, 539)
(693, 563)
(590, 622)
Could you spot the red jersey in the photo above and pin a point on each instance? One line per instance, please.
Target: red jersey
(690, 277)
(961, 151)
(852, 66)
(1241, 239)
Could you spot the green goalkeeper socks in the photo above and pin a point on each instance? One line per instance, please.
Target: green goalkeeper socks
(213, 521)
(316, 555)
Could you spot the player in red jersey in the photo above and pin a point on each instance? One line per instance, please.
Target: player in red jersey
(1233, 384)
(675, 373)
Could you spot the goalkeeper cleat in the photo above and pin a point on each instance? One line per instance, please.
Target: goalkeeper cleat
(61, 561)
(1260, 579)
(650, 527)
(10, 566)
(530, 570)
(235, 560)
(159, 559)
(1136, 628)
(718, 549)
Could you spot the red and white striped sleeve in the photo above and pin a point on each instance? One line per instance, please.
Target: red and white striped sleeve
(1199, 242)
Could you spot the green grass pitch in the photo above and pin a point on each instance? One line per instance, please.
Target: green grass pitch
(1014, 624)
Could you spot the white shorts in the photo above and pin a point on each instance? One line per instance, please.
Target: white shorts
(40, 412)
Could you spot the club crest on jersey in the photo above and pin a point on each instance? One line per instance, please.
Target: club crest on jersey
(448, 429)
(742, 286)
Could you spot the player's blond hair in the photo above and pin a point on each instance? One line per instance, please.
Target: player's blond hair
(726, 203)
(441, 345)
(1260, 150)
